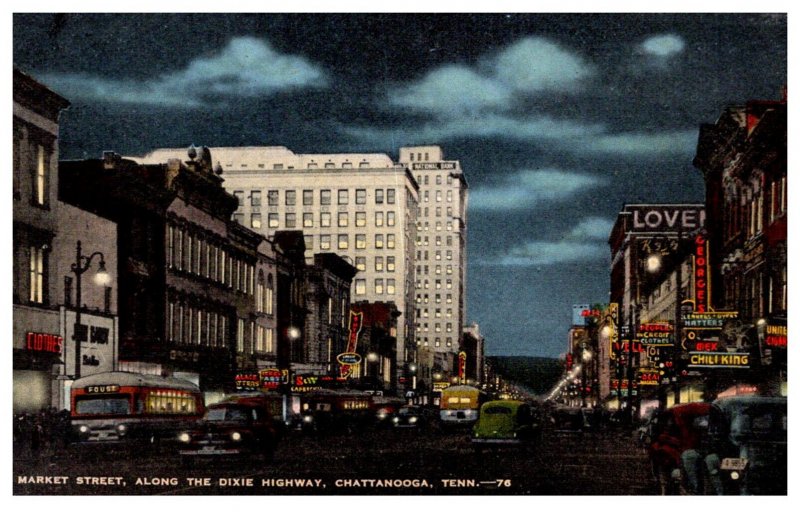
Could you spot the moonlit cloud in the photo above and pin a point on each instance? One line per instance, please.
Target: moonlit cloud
(592, 228)
(663, 45)
(540, 128)
(587, 241)
(246, 67)
(452, 90)
(529, 67)
(535, 64)
(527, 189)
(643, 144)
(542, 253)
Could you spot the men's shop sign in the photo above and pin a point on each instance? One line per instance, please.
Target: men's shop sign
(656, 334)
(709, 319)
(42, 342)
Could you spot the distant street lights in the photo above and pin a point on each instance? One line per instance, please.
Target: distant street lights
(81, 265)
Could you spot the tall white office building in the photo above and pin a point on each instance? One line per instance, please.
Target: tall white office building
(362, 207)
(440, 253)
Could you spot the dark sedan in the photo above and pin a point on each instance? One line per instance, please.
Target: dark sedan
(237, 427)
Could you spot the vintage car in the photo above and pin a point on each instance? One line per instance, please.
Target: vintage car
(747, 446)
(413, 416)
(505, 423)
(675, 449)
(237, 426)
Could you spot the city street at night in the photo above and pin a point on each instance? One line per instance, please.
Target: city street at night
(426, 462)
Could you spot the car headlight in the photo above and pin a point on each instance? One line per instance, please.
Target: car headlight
(83, 429)
(184, 437)
(236, 436)
(734, 475)
(381, 415)
(122, 429)
(395, 420)
(308, 419)
(412, 419)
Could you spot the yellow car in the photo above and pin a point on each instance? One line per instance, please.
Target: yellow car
(505, 422)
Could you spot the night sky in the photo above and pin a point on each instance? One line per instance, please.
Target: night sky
(557, 119)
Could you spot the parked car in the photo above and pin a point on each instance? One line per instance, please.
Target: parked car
(238, 426)
(506, 423)
(675, 449)
(747, 446)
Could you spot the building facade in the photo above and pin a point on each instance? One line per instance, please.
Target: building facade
(190, 279)
(649, 246)
(329, 282)
(64, 264)
(744, 163)
(362, 207)
(440, 258)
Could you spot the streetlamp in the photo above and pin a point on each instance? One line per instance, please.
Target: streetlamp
(81, 265)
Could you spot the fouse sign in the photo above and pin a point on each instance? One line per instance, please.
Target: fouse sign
(666, 217)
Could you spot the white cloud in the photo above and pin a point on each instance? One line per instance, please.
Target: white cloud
(590, 228)
(452, 91)
(587, 241)
(528, 67)
(535, 64)
(643, 144)
(528, 188)
(246, 67)
(542, 253)
(535, 128)
(663, 45)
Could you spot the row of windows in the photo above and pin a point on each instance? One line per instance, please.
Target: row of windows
(423, 298)
(290, 197)
(325, 218)
(425, 341)
(378, 287)
(381, 241)
(194, 325)
(425, 226)
(448, 241)
(437, 195)
(425, 180)
(191, 253)
(437, 299)
(437, 211)
(437, 255)
(252, 338)
(423, 270)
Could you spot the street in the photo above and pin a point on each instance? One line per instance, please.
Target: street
(399, 461)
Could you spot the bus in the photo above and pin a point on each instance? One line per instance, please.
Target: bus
(124, 406)
(459, 405)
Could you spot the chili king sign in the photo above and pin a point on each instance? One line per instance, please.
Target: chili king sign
(657, 334)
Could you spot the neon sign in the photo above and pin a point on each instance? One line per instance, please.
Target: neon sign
(41, 342)
(701, 275)
(356, 321)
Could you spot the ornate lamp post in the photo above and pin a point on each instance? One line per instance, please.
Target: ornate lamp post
(81, 265)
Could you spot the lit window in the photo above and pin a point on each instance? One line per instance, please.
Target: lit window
(255, 221)
(37, 273)
(308, 220)
(361, 286)
(342, 222)
(361, 219)
(343, 242)
(325, 219)
(272, 220)
(361, 261)
(361, 241)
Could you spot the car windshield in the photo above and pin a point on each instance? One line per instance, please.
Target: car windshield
(408, 410)
(227, 414)
(111, 404)
(759, 421)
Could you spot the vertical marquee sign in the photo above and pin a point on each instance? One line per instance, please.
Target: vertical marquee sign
(462, 367)
(702, 278)
(350, 358)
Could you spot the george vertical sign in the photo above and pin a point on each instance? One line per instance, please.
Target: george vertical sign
(701, 274)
